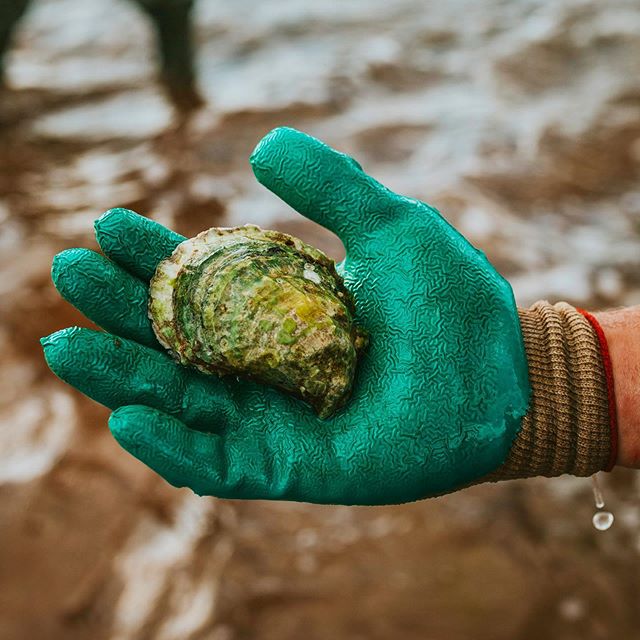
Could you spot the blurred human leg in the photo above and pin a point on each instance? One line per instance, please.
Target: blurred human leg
(10, 13)
(172, 23)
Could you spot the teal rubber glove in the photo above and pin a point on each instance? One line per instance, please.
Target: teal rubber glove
(438, 396)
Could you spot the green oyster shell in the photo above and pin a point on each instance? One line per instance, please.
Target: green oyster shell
(261, 305)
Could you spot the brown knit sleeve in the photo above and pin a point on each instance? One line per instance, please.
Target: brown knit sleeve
(567, 427)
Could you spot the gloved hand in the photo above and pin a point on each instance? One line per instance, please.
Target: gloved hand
(438, 396)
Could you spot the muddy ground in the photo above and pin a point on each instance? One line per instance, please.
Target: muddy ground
(519, 120)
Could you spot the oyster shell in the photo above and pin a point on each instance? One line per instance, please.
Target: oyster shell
(261, 305)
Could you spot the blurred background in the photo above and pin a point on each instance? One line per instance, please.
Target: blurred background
(519, 120)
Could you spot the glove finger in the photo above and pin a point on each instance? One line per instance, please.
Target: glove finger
(323, 185)
(237, 465)
(115, 372)
(182, 456)
(136, 243)
(105, 293)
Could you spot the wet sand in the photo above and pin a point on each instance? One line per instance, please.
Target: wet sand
(519, 121)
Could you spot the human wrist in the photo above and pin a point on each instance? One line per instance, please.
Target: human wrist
(569, 426)
(622, 331)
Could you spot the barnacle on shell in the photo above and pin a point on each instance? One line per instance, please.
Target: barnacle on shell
(261, 305)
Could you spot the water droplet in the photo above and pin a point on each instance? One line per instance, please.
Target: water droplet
(597, 492)
(602, 520)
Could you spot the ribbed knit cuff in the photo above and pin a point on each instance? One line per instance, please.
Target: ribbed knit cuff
(569, 426)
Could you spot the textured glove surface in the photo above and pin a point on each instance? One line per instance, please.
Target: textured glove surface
(438, 395)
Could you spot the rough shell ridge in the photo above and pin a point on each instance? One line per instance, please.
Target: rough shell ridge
(262, 305)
